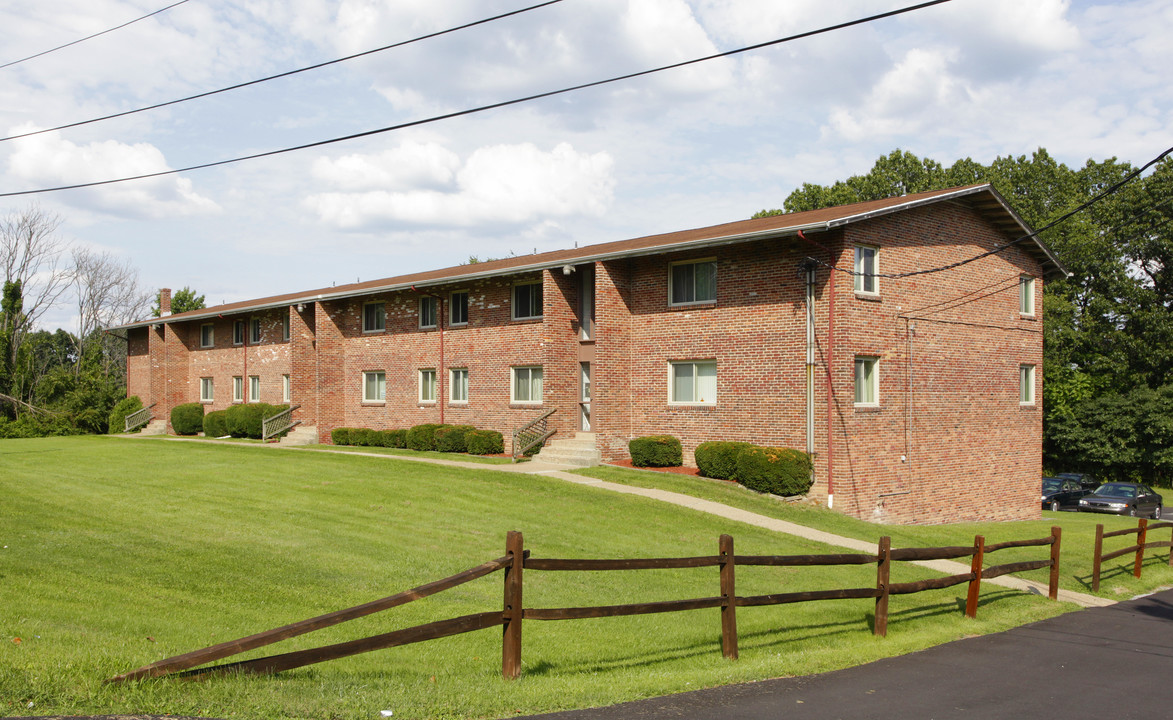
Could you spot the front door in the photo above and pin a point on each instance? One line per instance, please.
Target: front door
(585, 400)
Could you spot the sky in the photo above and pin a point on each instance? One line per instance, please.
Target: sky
(686, 148)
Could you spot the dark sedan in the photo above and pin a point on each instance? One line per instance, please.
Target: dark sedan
(1061, 493)
(1121, 498)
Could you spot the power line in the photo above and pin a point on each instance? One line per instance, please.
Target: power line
(91, 37)
(492, 106)
(284, 74)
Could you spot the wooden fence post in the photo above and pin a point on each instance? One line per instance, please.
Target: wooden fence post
(511, 640)
(1096, 558)
(1171, 552)
(1143, 528)
(883, 571)
(1053, 586)
(975, 567)
(729, 595)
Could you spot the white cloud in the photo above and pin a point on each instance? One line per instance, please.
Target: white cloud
(497, 184)
(409, 166)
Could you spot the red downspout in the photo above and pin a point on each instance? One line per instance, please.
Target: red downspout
(440, 370)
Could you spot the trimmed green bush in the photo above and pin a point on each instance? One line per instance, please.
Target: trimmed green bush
(216, 424)
(244, 421)
(187, 419)
(484, 442)
(422, 437)
(718, 459)
(365, 438)
(340, 436)
(774, 470)
(394, 438)
(125, 406)
(451, 438)
(656, 451)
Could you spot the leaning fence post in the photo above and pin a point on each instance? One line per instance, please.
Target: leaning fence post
(511, 635)
(728, 598)
(883, 571)
(1053, 586)
(1142, 526)
(1096, 559)
(975, 568)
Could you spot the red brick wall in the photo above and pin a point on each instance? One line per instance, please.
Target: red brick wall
(138, 364)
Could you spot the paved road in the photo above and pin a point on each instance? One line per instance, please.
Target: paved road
(1105, 662)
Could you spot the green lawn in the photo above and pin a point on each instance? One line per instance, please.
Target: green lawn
(120, 552)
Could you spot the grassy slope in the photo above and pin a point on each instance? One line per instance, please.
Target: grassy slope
(122, 552)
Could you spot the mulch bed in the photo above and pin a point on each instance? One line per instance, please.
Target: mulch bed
(690, 471)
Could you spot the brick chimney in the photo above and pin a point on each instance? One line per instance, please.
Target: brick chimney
(164, 302)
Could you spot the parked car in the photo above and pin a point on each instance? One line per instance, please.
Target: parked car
(1123, 498)
(1087, 482)
(1061, 493)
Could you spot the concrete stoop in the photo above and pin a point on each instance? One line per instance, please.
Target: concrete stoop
(579, 451)
(158, 426)
(301, 435)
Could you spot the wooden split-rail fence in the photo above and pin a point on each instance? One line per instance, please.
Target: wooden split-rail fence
(517, 560)
(1141, 531)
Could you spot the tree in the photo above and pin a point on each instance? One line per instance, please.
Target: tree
(183, 301)
(30, 255)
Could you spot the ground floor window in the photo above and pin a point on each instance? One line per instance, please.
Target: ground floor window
(254, 388)
(693, 382)
(427, 385)
(206, 390)
(458, 387)
(374, 386)
(867, 381)
(1026, 384)
(286, 388)
(237, 389)
(527, 385)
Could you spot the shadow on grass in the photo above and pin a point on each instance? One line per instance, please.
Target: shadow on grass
(1123, 570)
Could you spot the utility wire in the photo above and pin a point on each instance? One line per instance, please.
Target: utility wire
(91, 37)
(492, 106)
(285, 74)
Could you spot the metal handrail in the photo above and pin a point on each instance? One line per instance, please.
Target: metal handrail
(139, 417)
(279, 423)
(533, 433)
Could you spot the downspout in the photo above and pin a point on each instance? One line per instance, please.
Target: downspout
(830, 384)
(810, 358)
(810, 370)
(440, 399)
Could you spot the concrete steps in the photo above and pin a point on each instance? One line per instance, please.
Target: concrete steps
(579, 451)
(158, 426)
(301, 435)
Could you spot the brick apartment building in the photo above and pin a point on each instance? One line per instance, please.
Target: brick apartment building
(919, 395)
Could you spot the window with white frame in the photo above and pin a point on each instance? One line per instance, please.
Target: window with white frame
(458, 385)
(692, 282)
(867, 381)
(1026, 384)
(527, 385)
(207, 335)
(427, 386)
(238, 332)
(693, 382)
(254, 388)
(238, 389)
(374, 386)
(207, 390)
(374, 317)
(254, 330)
(285, 327)
(1026, 295)
(428, 311)
(458, 308)
(527, 301)
(286, 388)
(865, 269)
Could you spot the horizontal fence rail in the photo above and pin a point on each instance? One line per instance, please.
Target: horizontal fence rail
(517, 560)
(1141, 531)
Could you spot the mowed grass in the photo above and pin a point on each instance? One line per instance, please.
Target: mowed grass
(121, 552)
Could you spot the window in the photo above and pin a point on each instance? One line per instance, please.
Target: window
(427, 312)
(527, 301)
(527, 385)
(867, 381)
(1026, 384)
(254, 330)
(693, 382)
(374, 317)
(238, 332)
(285, 328)
(207, 335)
(1026, 295)
(237, 389)
(693, 282)
(207, 393)
(254, 388)
(374, 386)
(458, 386)
(428, 385)
(458, 308)
(286, 388)
(865, 270)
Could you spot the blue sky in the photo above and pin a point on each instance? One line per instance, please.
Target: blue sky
(682, 149)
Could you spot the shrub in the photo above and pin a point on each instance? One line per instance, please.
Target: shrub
(451, 438)
(422, 437)
(364, 438)
(216, 424)
(394, 438)
(244, 421)
(774, 470)
(484, 442)
(718, 459)
(656, 451)
(125, 407)
(340, 436)
(187, 419)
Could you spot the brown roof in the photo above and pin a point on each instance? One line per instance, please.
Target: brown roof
(982, 197)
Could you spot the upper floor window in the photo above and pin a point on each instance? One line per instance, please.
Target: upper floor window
(693, 382)
(374, 317)
(238, 332)
(867, 381)
(207, 335)
(865, 270)
(458, 308)
(527, 301)
(254, 330)
(1026, 384)
(1026, 295)
(428, 311)
(692, 282)
(285, 327)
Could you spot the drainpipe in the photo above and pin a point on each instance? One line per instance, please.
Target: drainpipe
(810, 369)
(810, 358)
(439, 371)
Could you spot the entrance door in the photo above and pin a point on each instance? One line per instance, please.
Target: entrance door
(585, 401)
